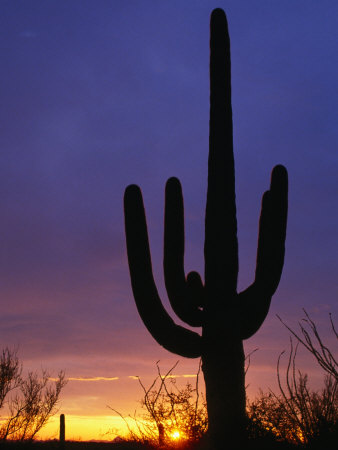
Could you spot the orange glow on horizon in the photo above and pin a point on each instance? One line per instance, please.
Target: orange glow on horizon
(86, 428)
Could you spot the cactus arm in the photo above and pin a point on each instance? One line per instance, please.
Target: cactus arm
(172, 337)
(220, 247)
(272, 231)
(181, 293)
(255, 301)
(195, 289)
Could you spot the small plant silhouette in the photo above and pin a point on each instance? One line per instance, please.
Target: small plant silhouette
(29, 401)
(226, 317)
(174, 416)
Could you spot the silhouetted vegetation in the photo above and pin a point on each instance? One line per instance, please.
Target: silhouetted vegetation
(297, 416)
(173, 415)
(176, 417)
(75, 445)
(28, 402)
(311, 340)
(225, 316)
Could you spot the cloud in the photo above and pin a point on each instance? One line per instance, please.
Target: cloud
(179, 376)
(88, 379)
(133, 377)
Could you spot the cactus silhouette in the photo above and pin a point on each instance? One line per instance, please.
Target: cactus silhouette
(226, 317)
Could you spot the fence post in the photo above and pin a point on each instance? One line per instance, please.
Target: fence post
(62, 431)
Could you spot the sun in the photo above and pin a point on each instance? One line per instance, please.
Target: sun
(175, 435)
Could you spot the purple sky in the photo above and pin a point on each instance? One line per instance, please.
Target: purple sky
(98, 95)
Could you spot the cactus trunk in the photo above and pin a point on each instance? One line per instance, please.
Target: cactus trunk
(225, 392)
(222, 348)
(226, 317)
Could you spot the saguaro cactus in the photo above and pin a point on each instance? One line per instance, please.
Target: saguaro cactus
(226, 317)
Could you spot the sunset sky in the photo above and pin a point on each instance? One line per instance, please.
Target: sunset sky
(96, 95)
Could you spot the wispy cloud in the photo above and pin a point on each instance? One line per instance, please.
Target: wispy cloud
(93, 378)
(133, 377)
(179, 376)
(88, 379)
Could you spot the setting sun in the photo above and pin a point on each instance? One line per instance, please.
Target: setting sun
(176, 435)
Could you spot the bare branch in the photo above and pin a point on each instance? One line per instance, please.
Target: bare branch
(312, 341)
